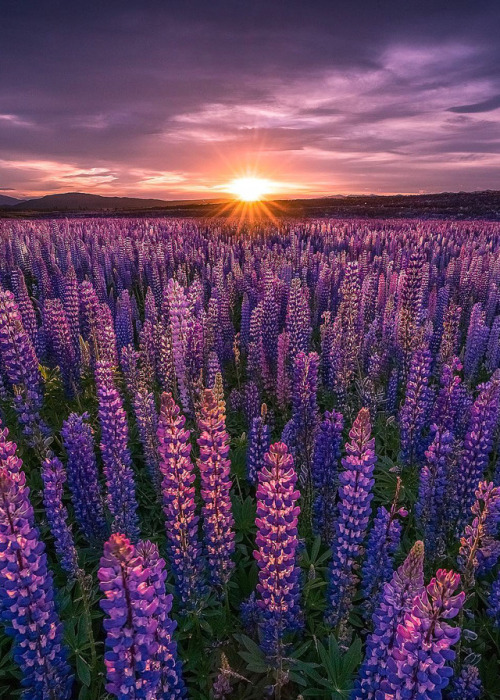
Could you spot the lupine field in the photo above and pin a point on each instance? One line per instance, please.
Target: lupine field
(249, 462)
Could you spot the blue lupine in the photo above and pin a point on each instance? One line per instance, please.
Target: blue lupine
(277, 541)
(415, 410)
(466, 686)
(259, 441)
(432, 494)
(83, 478)
(327, 450)
(121, 498)
(27, 608)
(477, 448)
(494, 601)
(396, 600)
(54, 477)
(355, 491)
(419, 665)
(383, 542)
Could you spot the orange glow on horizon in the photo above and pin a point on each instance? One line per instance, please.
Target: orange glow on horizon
(250, 189)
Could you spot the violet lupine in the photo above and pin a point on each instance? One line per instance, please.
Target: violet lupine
(477, 448)
(121, 498)
(419, 664)
(61, 343)
(355, 491)
(383, 542)
(415, 410)
(396, 600)
(179, 505)
(277, 541)
(259, 441)
(476, 342)
(83, 478)
(479, 548)
(146, 416)
(466, 686)
(494, 601)
(432, 494)
(27, 608)
(20, 364)
(409, 312)
(135, 613)
(304, 422)
(298, 322)
(215, 470)
(283, 383)
(325, 463)
(171, 684)
(53, 477)
(179, 321)
(8, 452)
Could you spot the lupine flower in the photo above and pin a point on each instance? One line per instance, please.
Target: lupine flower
(83, 478)
(259, 441)
(494, 602)
(432, 493)
(355, 490)
(214, 469)
(327, 449)
(479, 549)
(415, 410)
(121, 499)
(466, 686)
(8, 452)
(20, 363)
(179, 314)
(408, 321)
(146, 417)
(298, 323)
(62, 344)
(477, 447)
(27, 608)
(171, 684)
(178, 494)
(53, 477)
(418, 666)
(138, 659)
(382, 544)
(276, 554)
(396, 600)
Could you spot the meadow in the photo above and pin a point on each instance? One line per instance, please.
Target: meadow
(249, 462)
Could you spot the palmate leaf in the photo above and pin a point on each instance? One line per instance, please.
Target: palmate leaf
(336, 671)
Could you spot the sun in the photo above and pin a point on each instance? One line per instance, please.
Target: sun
(249, 189)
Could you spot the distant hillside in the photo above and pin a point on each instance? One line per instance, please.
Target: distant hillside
(456, 205)
(79, 201)
(7, 201)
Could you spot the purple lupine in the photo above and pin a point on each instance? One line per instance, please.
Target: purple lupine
(27, 608)
(61, 343)
(276, 554)
(477, 448)
(466, 686)
(415, 410)
(494, 601)
(215, 470)
(8, 452)
(476, 342)
(179, 505)
(451, 329)
(419, 663)
(171, 684)
(53, 476)
(121, 499)
(448, 402)
(408, 320)
(20, 364)
(179, 314)
(325, 463)
(298, 322)
(355, 490)
(479, 548)
(383, 542)
(282, 373)
(304, 422)
(259, 441)
(71, 303)
(146, 416)
(135, 613)
(432, 493)
(396, 600)
(83, 478)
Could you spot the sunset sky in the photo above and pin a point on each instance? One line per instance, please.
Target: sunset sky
(173, 99)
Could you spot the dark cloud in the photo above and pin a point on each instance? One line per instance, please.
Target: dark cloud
(484, 106)
(171, 97)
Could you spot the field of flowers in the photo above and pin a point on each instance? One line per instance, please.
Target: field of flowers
(249, 463)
